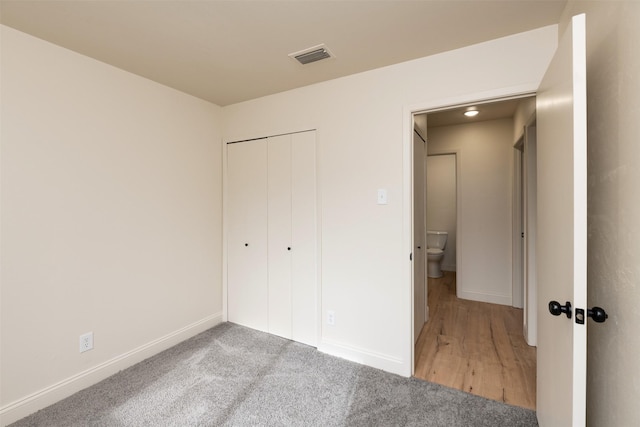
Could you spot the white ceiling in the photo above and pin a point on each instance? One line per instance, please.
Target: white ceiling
(231, 51)
(486, 111)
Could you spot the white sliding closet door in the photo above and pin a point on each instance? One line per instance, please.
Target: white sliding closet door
(304, 232)
(247, 290)
(279, 153)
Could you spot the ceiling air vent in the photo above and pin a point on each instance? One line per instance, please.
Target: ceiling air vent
(311, 54)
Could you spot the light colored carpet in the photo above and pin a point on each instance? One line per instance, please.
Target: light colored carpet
(234, 376)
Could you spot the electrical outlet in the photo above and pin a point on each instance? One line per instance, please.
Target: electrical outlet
(86, 342)
(331, 317)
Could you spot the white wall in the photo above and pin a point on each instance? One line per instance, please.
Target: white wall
(525, 110)
(441, 203)
(364, 125)
(110, 220)
(485, 156)
(613, 270)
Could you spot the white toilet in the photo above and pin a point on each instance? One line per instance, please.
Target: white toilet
(436, 241)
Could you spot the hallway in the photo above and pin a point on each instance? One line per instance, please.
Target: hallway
(476, 347)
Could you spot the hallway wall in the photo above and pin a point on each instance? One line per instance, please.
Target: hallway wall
(485, 158)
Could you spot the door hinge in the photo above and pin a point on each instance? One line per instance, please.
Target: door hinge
(411, 256)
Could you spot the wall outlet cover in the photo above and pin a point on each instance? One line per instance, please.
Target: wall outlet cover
(86, 342)
(331, 317)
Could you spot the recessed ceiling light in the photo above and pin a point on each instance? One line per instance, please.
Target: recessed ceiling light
(471, 113)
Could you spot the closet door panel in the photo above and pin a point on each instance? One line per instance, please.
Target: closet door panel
(280, 246)
(304, 233)
(247, 239)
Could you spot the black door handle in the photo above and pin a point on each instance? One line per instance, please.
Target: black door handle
(556, 309)
(419, 247)
(596, 313)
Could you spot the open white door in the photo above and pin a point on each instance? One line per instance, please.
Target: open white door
(562, 232)
(419, 236)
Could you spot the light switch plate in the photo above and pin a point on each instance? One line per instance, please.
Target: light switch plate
(382, 196)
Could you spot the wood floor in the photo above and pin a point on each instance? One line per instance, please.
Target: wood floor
(475, 347)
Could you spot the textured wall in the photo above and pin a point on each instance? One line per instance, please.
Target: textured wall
(613, 91)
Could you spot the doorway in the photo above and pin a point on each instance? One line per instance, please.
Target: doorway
(483, 149)
(442, 204)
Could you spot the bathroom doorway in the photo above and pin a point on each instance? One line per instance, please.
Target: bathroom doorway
(442, 204)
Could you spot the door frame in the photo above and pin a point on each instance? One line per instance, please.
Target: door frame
(498, 94)
(518, 226)
(524, 221)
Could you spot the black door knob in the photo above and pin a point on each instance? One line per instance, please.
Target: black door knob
(556, 309)
(288, 248)
(246, 244)
(597, 314)
(419, 247)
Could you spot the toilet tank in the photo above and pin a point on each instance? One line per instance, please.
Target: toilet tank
(436, 239)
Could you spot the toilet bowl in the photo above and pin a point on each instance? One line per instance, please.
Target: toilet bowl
(436, 242)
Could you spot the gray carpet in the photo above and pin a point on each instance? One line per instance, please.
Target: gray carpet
(234, 376)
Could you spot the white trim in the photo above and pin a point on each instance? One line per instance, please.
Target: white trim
(225, 234)
(408, 354)
(363, 356)
(62, 389)
(319, 312)
(517, 228)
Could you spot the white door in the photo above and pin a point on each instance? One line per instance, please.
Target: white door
(279, 235)
(292, 237)
(561, 240)
(419, 239)
(304, 244)
(247, 240)
(530, 227)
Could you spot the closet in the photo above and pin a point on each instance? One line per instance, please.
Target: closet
(272, 235)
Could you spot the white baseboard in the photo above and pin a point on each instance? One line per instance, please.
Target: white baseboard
(484, 297)
(365, 357)
(47, 396)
